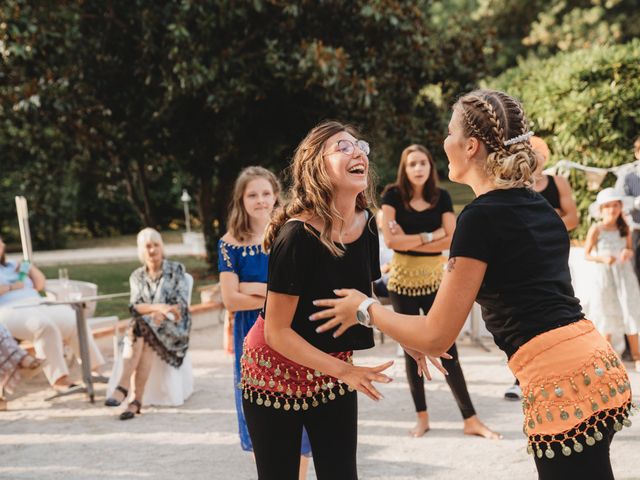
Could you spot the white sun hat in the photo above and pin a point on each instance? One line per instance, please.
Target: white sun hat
(610, 195)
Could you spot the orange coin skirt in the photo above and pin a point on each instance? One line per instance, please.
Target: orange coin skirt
(574, 385)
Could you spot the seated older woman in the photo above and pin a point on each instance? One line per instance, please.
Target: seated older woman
(47, 327)
(161, 321)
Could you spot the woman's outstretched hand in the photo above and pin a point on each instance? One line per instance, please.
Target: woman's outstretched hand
(421, 360)
(361, 378)
(340, 311)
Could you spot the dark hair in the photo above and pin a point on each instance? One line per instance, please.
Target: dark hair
(622, 225)
(430, 190)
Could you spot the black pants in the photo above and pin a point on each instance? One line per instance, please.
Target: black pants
(455, 379)
(332, 430)
(592, 462)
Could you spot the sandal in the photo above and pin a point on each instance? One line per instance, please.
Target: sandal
(112, 402)
(129, 414)
(31, 367)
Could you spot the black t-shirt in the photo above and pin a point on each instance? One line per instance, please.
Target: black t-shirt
(527, 287)
(299, 264)
(414, 221)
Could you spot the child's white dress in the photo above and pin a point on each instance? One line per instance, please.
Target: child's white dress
(615, 304)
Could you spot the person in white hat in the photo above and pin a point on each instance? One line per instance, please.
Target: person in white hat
(615, 303)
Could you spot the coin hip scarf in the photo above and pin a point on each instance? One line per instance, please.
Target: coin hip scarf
(574, 385)
(271, 380)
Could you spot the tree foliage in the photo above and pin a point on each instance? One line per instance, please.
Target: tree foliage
(109, 109)
(586, 105)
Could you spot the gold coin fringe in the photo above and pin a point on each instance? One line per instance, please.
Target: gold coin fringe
(271, 382)
(415, 276)
(586, 433)
(594, 386)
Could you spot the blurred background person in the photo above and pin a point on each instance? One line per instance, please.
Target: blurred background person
(48, 327)
(160, 323)
(242, 263)
(614, 305)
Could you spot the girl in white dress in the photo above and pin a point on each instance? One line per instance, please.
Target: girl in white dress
(615, 304)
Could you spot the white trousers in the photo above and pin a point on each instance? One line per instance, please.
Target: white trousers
(48, 327)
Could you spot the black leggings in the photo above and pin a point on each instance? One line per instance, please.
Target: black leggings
(332, 430)
(592, 462)
(455, 379)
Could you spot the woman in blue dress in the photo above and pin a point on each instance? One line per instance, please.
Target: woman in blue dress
(242, 264)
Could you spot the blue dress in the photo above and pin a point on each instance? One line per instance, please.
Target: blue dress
(250, 264)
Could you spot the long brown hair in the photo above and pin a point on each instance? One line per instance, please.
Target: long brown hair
(311, 190)
(494, 117)
(238, 223)
(430, 190)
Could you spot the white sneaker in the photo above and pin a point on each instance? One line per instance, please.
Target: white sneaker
(514, 392)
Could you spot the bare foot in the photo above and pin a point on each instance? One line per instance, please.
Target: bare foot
(422, 425)
(3, 405)
(473, 426)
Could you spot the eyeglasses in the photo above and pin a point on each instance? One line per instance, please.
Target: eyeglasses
(348, 147)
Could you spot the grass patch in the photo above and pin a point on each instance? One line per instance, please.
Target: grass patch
(114, 278)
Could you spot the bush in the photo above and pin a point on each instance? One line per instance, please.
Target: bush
(586, 105)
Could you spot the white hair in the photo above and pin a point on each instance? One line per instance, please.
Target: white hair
(145, 236)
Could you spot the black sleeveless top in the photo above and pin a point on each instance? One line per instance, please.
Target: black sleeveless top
(550, 193)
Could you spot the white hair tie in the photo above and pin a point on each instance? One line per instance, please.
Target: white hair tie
(520, 138)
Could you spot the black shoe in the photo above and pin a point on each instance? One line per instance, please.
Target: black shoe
(112, 402)
(128, 414)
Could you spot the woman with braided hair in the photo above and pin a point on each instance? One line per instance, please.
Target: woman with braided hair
(509, 253)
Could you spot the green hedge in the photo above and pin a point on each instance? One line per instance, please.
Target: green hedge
(586, 105)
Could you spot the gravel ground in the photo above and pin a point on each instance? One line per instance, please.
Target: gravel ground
(72, 440)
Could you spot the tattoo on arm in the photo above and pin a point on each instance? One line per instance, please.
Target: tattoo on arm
(451, 265)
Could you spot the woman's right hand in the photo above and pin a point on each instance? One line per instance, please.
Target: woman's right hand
(421, 360)
(17, 285)
(361, 378)
(157, 317)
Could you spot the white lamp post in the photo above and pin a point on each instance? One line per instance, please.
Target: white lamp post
(186, 198)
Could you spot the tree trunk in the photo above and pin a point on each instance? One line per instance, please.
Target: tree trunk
(205, 210)
(149, 217)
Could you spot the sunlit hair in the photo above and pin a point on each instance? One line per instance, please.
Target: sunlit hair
(493, 117)
(238, 223)
(145, 236)
(430, 190)
(311, 191)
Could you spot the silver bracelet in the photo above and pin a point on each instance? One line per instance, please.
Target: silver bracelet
(426, 237)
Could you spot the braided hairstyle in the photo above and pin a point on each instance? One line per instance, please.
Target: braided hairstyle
(494, 117)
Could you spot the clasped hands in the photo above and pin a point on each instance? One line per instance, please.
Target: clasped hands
(341, 312)
(162, 310)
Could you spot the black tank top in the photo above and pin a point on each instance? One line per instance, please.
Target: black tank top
(550, 192)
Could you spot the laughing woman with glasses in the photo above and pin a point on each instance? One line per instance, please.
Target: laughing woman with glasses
(292, 377)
